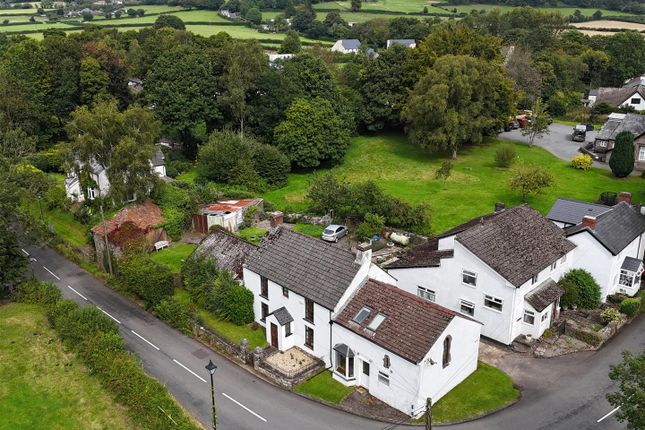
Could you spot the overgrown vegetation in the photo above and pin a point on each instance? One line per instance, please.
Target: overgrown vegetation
(144, 277)
(580, 289)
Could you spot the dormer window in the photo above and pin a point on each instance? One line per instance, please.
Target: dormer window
(362, 314)
(534, 279)
(376, 321)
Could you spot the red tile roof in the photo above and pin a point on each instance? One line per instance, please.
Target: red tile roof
(130, 223)
(231, 205)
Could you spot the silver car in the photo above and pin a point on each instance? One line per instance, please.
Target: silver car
(334, 232)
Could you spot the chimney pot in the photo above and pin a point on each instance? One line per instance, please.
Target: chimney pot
(589, 221)
(499, 206)
(625, 197)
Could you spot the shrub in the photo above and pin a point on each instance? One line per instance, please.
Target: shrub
(176, 314)
(271, 164)
(146, 278)
(581, 289)
(582, 162)
(372, 225)
(630, 307)
(621, 161)
(505, 155)
(217, 292)
(616, 298)
(55, 196)
(237, 306)
(78, 324)
(531, 180)
(610, 315)
(35, 292)
(198, 270)
(444, 171)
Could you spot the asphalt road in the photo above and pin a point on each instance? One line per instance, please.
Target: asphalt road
(563, 393)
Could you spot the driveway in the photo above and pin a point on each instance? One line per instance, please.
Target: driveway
(558, 142)
(557, 394)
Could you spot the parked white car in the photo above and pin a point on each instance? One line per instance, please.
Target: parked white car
(334, 232)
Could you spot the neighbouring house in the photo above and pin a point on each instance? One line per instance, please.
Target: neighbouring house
(96, 182)
(617, 123)
(132, 223)
(500, 269)
(371, 53)
(135, 85)
(408, 43)
(228, 214)
(299, 283)
(227, 250)
(610, 242)
(347, 46)
(275, 60)
(402, 348)
(631, 94)
(228, 14)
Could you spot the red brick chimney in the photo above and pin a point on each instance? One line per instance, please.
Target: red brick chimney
(589, 221)
(625, 197)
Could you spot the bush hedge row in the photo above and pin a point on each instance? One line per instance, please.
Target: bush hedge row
(95, 339)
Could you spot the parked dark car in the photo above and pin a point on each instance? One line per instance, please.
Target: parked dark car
(579, 133)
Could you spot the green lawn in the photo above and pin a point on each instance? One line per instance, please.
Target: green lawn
(174, 256)
(323, 386)
(232, 332)
(382, 5)
(309, 229)
(252, 234)
(189, 176)
(564, 11)
(485, 390)
(70, 230)
(42, 386)
(186, 16)
(407, 172)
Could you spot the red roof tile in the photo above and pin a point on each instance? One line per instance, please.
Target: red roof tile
(130, 223)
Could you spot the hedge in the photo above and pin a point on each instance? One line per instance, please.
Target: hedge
(146, 278)
(177, 314)
(630, 307)
(95, 339)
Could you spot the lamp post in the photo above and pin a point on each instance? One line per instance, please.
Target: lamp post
(211, 367)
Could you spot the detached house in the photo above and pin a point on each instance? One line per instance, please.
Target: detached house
(617, 123)
(347, 46)
(500, 269)
(402, 348)
(299, 283)
(408, 43)
(610, 241)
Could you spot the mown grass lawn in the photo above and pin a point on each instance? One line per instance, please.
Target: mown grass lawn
(42, 386)
(323, 386)
(408, 172)
(485, 390)
(174, 256)
(234, 333)
(309, 229)
(252, 234)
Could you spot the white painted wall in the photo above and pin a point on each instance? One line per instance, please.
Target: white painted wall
(637, 106)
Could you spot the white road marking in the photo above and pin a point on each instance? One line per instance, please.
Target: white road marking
(193, 373)
(84, 298)
(609, 414)
(51, 273)
(242, 406)
(118, 322)
(145, 340)
(33, 259)
(23, 250)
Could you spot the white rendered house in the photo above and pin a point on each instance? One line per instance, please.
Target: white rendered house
(347, 46)
(500, 269)
(402, 348)
(610, 242)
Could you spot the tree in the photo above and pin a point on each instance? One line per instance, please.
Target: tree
(312, 133)
(627, 52)
(456, 102)
(170, 21)
(303, 17)
(356, 5)
(290, 44)
(531, 180)
(114, 63)
(218, 158)
(454, 38)
(630, 376)
(254, 16)
(622, 157)
(538, 123)
(93, 81)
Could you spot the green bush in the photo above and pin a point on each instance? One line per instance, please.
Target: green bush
(146, 278)
(373, 224)
(198, 270)
(581, 290)
(176, 314)
(505, 156)
(175, 221)
(609, 315)
(444, 171)
(582, 162)
(237, 306)
(178, 202)
(621, 161)
(630, 307)
(35, 292)
(217, 292)
(271, 164)
(55, 196)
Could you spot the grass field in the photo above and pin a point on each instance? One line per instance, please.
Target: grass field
(407, 172)
(324, 386)
(383, 5)
(42, 386)
(565, 11)
(186, 16)
(174, 256)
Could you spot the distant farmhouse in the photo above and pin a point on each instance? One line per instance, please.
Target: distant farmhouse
(347, 46)
(631, 94)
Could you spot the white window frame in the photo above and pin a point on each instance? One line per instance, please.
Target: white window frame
(91, 194)
(426, 293)
(563, 259)
(534, 279)
(626, 274)
(530, 314)
(367, 311)
(383, 378)
(637, 102)
(554, 265)
(467, 304)
(493, 299)
(468, 273)
(641, 153)
(376, 321)
(544, 316)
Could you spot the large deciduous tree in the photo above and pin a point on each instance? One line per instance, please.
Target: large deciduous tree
(456, 102)
(452, 38)
(630, 397)
(622, 157)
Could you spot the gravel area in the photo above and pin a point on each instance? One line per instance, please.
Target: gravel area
(291, 360)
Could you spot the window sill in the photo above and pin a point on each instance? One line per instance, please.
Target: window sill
(474, 287)
(493, 310)
(311, 347)
(264, 297)
(344, 378)
(309, 321)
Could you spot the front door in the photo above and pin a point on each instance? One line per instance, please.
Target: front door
(365, 374)
(274, 335)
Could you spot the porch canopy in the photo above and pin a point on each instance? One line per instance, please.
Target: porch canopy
(544, 295)
(344, 350)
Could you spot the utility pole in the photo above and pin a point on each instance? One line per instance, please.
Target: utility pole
(428, 414)
(105, 239)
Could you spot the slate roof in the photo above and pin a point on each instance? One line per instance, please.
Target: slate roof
(411, 325)
(517, 243)
(158, 158)
(282, 315)
(617, 96)
(545, 294)
(615, 229)
(229, 251)
(634, 123)
(634, 82)
(631, 264)
(423, 255)
(315, 269)
(350, 43)
(571, 211)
